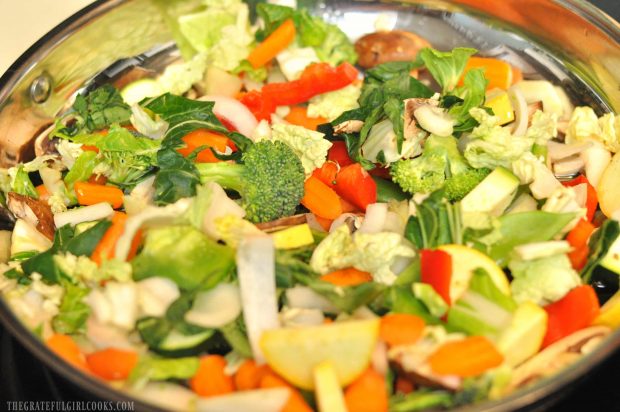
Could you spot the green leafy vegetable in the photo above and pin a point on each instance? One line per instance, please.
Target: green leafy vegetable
(421, 400)
(82, 169)
(161, 369)
(73, 312)
(101, 108)
(600, 243)
(85, 243)
(437, 222)
(22, 184)
(184, 255)
(43, 263)
(446, 67)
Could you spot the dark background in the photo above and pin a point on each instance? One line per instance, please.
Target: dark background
(599, 392)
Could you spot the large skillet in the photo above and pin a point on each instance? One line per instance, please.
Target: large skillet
(567, 41)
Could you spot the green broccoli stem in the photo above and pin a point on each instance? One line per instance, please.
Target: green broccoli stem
(227, 175)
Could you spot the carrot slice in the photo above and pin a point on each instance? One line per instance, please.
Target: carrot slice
(44, 195)
(295, 403)
(468, 357)
(204, 137)
(211, 379)
(367, 393)
(320, 199)
(65, 347)
(299, 116)
(249, 375)
(107, 244)
(112, 363)
(498, 72)
(401, 329)
(347, 277)
(273, 44)
(91, 194)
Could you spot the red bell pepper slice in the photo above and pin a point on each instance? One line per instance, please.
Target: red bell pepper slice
(578, 239)
(327, 173)
(356, 185)
(338, 153)
(436, 270)
(576, 310)
(592, 197)
(259, 104)
(316, 79)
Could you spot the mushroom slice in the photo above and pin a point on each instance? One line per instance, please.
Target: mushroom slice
(558, 355)
(349, 126)
(43, 145)
(421, 374)
(282, 223)
(33, 211)
(388, 46)
(411, 105)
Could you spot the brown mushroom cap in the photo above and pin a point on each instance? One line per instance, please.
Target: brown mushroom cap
(388, 46)
(33, 211)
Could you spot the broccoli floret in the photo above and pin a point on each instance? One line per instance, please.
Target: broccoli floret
(423, 174)
(270, 180)
(458, 186)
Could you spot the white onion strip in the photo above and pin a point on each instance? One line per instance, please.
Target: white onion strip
(84, 214)
(233, 111)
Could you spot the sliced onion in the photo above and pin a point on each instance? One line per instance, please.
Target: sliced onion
(379, 358)
(519, 126)
(374, 220)
(84, 214)
(257, 400)
(216, 307)
(581, 194)
(303, 297)
(257, 280)
(596, 159)
(314, 223)
(568, 166)
(156, 294)
(343, 218)
(558, 151)
(234, 111)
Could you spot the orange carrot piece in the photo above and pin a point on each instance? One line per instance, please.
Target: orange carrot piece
(468, 357)
(325, 223)
(367, 393)
(204, 137)
(90, 148)
(105, 247)
(517, 75)
(44, 195)
(320, 199)
(498, 72)
(295, 403)
(299, 116)
(91, 194)
(112, 364)
(65, 347)
(347, 277)
(401, 329)
(249, 375)
(211, 380)
(273, 44)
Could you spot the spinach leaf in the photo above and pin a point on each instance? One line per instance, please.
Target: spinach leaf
(473, 94)
(437, 222)
(85, 243)
(178, 176)
(446, 67)
(43, 263)
(101, 107)
(600, 243)
(73, 312)
(23, 185)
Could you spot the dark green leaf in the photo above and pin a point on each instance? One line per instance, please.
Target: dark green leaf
(84, 244)
(600, 243)
(101, 107)
(23, 185)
